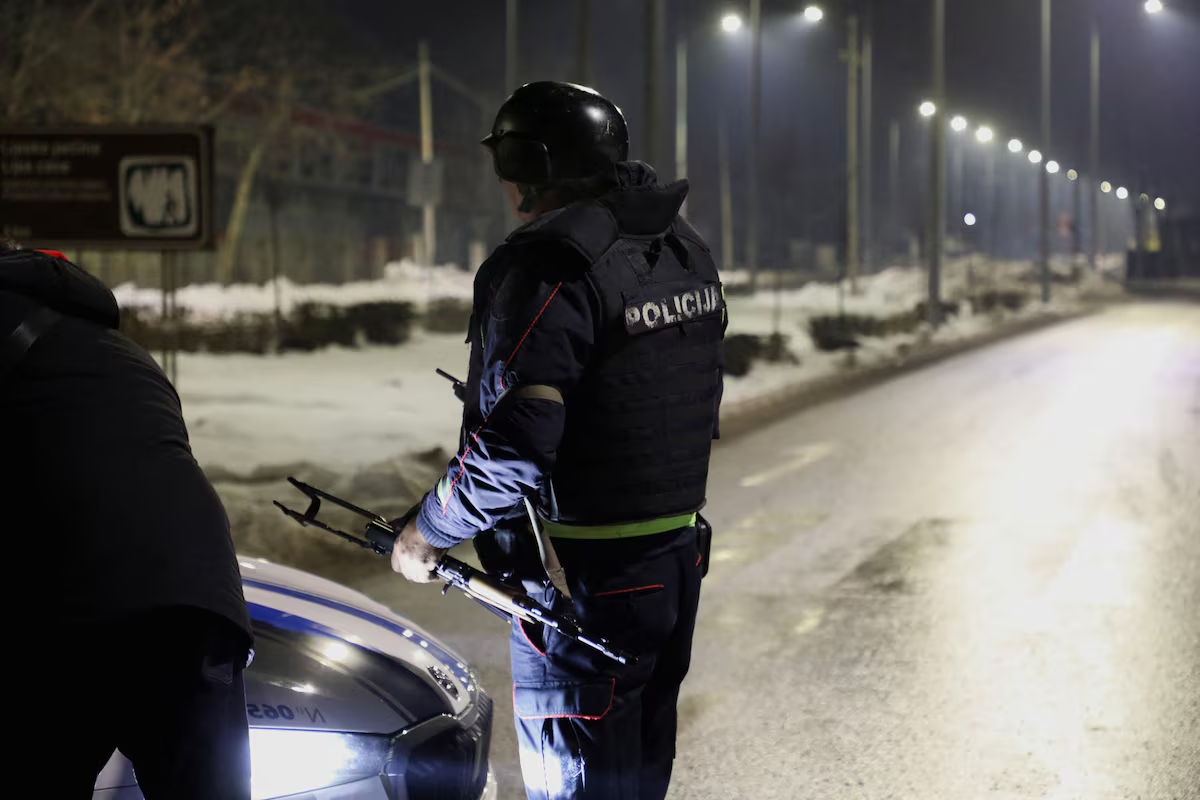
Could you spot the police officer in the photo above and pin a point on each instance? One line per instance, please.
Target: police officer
(593, 391)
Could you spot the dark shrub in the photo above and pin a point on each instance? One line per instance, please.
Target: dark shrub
(740, 351)
(843, 331)
(383, 323)
(310, 326)
(447, 316)
(949, 310)
(244, 333)
(992, 300)
(840, 332)
(776, 351)
(738, 290)
(142, 326)
(315, 325)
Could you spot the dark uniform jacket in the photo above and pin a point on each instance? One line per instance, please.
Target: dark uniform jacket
(100, 494)
(615, 304)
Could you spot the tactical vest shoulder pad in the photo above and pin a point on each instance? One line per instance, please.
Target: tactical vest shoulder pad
(587, 227)
(683, 229)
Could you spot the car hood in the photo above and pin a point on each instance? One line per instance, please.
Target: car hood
(290, 600)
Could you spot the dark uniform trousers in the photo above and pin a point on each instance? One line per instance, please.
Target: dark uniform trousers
(587, 726)
(165, 688)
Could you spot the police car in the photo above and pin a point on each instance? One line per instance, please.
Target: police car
(349, 700)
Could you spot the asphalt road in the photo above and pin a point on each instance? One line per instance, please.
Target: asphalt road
(980, 580)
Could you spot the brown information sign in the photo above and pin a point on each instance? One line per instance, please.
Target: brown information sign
(130, 188)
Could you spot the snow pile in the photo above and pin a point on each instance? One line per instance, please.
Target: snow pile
(890, 291)
(403, 281)
(339, 408)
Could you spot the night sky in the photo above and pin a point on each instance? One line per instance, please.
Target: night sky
(1150, 87)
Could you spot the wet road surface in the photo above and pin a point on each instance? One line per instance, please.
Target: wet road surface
(980, 580)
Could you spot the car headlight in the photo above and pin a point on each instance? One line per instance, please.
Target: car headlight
(285, 762)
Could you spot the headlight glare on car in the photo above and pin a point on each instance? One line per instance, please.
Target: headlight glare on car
(285, 762)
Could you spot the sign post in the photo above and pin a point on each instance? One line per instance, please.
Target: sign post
(141, 188)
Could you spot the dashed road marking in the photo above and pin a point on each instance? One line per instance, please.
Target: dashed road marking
(802, 457)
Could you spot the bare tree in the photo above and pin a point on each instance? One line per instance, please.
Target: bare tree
(105, 61)
(187, 62)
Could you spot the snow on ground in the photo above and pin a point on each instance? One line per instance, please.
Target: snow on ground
(336, 407)
(347, 408)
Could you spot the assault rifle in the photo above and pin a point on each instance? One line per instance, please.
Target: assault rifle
(504, 600)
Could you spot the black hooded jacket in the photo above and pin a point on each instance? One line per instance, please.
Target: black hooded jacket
(99, 487)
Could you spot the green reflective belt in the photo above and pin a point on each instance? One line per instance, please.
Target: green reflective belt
(623, 530)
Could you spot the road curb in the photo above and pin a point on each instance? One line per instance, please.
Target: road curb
(1166, 289)
(752, 414)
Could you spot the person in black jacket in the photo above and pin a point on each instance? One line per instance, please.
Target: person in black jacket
(593, 392)
(140, 631)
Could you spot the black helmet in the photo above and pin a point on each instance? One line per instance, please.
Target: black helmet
(550, 132)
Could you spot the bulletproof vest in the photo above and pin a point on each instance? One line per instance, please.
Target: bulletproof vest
(640, 423)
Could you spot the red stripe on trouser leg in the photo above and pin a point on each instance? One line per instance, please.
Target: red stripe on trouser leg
(536, 649)
(602, 715)
(627, 591)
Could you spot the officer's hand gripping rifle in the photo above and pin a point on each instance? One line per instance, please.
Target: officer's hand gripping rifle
(380, 535)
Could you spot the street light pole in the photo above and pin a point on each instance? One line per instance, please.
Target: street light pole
(893, 225)
(987, 231)
(937, 172)
(957, 195)
(867, 198)
(852, 154)
(1094, 178)
(1044, 185)
(726, 191)
(655, 24)
(429, 232)
(510, 46)
(681, 129)
(583, 46)
(752, 143)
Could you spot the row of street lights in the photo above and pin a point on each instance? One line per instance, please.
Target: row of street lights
(985, 135)
(732, 24)
(930, 108)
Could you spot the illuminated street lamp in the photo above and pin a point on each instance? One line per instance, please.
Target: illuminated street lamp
(1035, 157)
(731, 23)
(927, 109)
(1153, 6)
(1052, 167)
(1122, 193)
(1072, 175)
(813, 14)
(1015, 146)
(958, 124)
(969, 219)
(984, 135)
(1106, 187)
(1160, 204)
